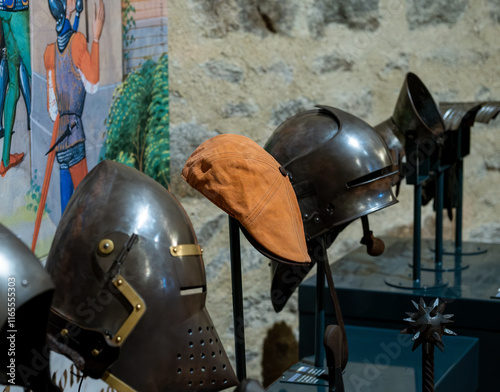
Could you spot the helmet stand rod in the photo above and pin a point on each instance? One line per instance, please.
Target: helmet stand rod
(237, 293)
(421, 164)
(459, 149)
(319, 316)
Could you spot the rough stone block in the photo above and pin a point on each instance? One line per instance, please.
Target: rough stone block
(432, 12)
(223, 70)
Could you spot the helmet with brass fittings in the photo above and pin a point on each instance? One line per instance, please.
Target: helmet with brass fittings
(341, 170)
(129, 305)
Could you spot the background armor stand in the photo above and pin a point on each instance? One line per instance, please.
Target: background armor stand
(459, 117)
(423, 128)
(450, 169)
(447, 180)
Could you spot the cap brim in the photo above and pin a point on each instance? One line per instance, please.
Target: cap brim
(270, 255)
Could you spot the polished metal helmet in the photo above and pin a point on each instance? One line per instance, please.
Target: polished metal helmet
(25, 302)
(129, 305)
(340, 170)
(340, 167)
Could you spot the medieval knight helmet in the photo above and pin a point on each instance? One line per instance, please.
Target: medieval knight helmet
(58, 12)
(341, 170)
(340, 167)
(129, 305)
(26, 295)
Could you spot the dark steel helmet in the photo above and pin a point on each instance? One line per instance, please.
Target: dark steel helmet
(340, 167)
(416, 112)
(58, 12)
(25, 302)
(341, 170)
(129, 305)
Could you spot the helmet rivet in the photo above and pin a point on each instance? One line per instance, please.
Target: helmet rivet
(316, 220)
(106, 246)
(24, 282)
(95, 352)
(119, 282)
(201, 249)
(64, 332)
(174, 249)
(118, 339)
(138, 306)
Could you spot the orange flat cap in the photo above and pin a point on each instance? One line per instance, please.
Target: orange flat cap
(245, 181)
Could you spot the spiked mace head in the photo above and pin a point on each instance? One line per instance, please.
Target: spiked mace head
(428, 324)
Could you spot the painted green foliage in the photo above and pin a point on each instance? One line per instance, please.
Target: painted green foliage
(128, 23)
(138, 121)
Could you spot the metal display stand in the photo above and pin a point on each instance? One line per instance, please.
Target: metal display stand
(423, 158)
(237, 292)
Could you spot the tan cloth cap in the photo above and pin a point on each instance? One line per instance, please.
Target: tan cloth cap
(245, 181)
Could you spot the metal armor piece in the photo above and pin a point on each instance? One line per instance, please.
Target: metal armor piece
(25, 302)
(341, 170)
(454, 112)
(340, 167)
(415, 112)
(129, 305)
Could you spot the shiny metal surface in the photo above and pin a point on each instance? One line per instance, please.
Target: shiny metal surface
(454, 112)
(416, 112)
(174, 346)
(18, 262)
(25, 303)
(340, 167)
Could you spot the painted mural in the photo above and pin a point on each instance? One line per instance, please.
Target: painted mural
(15, 74)
(80, 81)
(15, 125)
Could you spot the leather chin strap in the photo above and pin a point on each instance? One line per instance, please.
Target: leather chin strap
(335, 300)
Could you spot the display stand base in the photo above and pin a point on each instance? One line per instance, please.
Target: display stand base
(427, 285)
(468, 249)
(381, 360)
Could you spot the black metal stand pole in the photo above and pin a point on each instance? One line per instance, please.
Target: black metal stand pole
(458, 213)
(319, 321)
(237, 287)
(438, 251)
(417, 232)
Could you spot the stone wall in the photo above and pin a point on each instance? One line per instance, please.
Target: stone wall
(244, 66)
